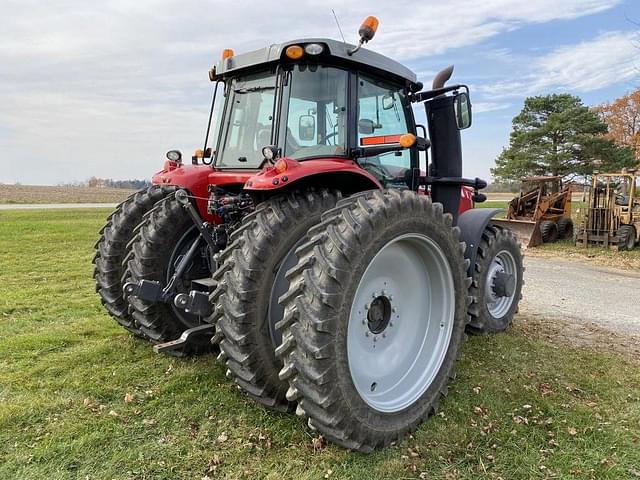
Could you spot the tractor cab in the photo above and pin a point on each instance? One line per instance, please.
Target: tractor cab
(313, 99)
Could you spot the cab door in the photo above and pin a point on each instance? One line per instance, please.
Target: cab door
(383, 113)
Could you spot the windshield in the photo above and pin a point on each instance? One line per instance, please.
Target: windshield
(247, 122)
(314, 115)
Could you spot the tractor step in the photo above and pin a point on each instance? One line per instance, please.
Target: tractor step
(187, 337)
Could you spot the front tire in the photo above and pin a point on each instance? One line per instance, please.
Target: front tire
(549, 231)
(497, 284)
(112, 248)
(250, 279)
(160, 240)
(359, 392)
(626, 237)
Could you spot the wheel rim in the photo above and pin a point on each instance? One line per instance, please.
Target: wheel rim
(400, 323)
(280, 286)
(197, 269)
(498, 305)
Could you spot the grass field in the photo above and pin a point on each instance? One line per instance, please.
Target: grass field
(49, 194)
(81, 399)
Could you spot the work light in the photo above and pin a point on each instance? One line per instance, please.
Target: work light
(314, 49)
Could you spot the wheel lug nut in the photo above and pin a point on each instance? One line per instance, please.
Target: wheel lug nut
(366, 334)
(375, 339)
(384, 335)
(394, 309)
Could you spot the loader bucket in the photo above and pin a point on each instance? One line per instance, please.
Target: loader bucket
(527, 232)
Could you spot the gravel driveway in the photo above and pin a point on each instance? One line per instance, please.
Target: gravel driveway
(582, 293)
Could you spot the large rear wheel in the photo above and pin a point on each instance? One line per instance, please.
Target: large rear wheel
(374, 318)
(111, 250)
(161, 241)
(251, 279)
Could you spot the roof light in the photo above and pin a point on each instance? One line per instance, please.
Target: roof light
(227, 53)
(294, 52)
(199, 153)
(314, 49)
(368, 28)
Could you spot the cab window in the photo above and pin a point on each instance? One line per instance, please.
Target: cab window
(314, 116)
(381, 112)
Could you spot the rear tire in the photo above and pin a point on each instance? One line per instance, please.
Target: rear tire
(112, 248)
(565, 228)
(248, 308)
(154, 252)
(626, 237)
(322, 325)
(494, 305)
(549, 231)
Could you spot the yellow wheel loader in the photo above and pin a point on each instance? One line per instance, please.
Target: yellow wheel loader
(541, 212)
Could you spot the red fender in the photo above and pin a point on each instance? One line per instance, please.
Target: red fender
(287, 172)
(197, 178)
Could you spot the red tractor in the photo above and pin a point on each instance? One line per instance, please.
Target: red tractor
(336, 276)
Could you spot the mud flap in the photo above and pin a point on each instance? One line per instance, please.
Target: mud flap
(472, 224)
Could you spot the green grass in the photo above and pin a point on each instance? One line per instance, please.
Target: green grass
(519, 408)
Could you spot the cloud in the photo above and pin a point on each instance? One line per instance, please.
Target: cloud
(106, 87)
(608, 59)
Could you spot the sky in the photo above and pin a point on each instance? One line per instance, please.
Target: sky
(106, 88)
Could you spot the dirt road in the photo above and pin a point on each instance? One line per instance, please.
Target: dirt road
(582, 293)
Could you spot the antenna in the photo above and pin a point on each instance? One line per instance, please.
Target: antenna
(338, 24)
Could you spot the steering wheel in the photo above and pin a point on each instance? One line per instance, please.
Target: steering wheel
(378, 170)
(326, 138)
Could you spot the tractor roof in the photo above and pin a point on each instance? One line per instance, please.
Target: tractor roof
(336, 52)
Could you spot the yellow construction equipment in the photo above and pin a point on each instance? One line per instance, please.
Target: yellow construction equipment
(541, 212)
(612, 214)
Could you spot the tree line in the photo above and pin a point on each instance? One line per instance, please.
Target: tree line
(95, 182)
(559, 135)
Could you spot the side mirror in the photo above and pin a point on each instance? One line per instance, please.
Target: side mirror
(462, 107)
(388, 102)
(365, 126)
(306, 127)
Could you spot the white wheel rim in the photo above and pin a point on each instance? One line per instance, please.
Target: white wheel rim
(393, 364)
(499, 306)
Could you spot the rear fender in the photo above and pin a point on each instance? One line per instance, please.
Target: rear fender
(472, 224)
